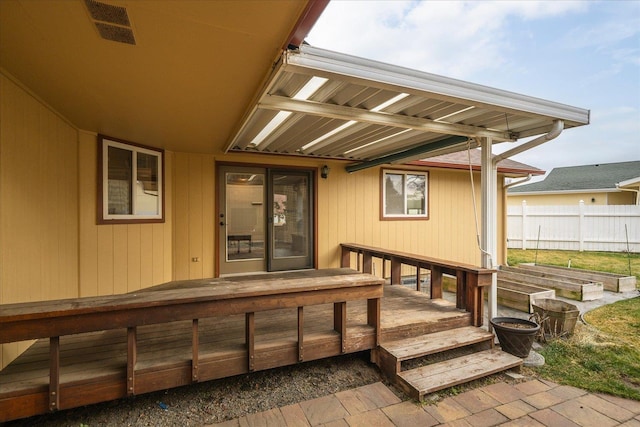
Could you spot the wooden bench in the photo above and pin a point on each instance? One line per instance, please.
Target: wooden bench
(470, 280)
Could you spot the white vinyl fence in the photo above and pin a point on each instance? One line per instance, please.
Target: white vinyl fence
(614, 228)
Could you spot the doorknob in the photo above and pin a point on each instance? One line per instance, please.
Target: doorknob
(221, 222)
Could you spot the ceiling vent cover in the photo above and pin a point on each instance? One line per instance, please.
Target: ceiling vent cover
(111, 21)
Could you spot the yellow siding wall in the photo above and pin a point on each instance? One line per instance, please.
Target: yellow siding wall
(38, 203)
(125, 257)
(193, 234)
(348, 211)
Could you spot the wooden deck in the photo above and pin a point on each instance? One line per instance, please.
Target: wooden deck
(312, 320)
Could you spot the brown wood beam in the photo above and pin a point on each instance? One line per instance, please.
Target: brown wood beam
(195, 343)
(300, 334)
(396, 271)
(54, 373)
(461, 289)
(373, 316)
(367, 266)
(340, 323)
(345, 258)
(436, 282)
(132, 358)
(250, 339)
(71, 322)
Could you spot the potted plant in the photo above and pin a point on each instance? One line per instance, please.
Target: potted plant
(515, 335)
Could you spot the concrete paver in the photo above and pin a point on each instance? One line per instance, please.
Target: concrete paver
(529, 404)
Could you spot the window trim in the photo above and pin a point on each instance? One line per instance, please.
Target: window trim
(104, 142)
(403, 217)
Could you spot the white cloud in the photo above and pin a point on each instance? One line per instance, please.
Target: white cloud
(583, 53)
(455, 38)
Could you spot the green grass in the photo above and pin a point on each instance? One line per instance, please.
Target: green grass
(611, 262)
(604, 355)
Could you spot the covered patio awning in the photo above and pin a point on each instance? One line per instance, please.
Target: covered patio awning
(331, 105)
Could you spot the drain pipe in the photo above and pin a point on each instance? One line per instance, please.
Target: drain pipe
(522, 181)
(630, 189)
(556, 129)
(489, 183)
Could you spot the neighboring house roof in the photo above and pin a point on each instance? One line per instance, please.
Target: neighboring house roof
(460, 160)
(587, 177)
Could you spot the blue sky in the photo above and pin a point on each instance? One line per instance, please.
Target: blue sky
(581, 53)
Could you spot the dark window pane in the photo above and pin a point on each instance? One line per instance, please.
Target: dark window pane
(119, 176)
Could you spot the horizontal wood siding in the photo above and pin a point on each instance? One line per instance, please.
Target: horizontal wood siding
(124, 257)
(38, 203)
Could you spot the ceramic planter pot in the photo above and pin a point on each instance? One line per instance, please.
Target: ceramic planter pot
(515, 335)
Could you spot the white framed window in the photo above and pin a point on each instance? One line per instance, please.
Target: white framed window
(404, 194)
(131, 187)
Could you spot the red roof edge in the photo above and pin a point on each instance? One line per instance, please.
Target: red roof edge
(475, 167)
(305, 23)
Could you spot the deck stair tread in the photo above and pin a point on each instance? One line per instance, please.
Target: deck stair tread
(424, 345)
(437, 376)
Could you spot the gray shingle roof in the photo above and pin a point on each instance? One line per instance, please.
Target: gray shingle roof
(587, 177)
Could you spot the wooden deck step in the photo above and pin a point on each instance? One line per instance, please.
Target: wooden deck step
(392, 354)
(428, 379)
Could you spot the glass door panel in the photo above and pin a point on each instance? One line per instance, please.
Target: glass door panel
(242, 220)
(290, 220)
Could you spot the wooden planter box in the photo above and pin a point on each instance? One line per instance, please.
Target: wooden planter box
(566, 287)
(521, 296)
(610, 281)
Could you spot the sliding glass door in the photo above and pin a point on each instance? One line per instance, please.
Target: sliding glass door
(265, 219)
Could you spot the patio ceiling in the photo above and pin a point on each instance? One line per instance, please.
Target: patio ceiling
(326, 104)
(173, 74)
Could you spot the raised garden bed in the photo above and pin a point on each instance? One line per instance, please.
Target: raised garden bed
(566, 287)
(611, 282)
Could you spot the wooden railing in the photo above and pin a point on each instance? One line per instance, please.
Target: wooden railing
(189, 300)
(470, 280)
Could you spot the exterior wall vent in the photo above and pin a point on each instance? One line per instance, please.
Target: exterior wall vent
(112, 22)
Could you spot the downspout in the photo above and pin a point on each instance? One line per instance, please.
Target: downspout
(522, 181)
(556, 129)
(490, 220)
(632, 190)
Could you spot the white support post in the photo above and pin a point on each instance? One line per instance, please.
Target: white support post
(581, 225)
(489, 241)
(524, 225)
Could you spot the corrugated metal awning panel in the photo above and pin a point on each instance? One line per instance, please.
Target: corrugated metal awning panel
(321, 103)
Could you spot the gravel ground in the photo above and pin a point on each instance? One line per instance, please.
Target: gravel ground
(220, 400)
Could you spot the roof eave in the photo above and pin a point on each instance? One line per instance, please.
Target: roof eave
(318, 60)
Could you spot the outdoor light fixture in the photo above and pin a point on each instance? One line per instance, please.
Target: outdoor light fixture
(324, 172)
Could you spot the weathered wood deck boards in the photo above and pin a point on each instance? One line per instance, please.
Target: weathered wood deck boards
(93, 366)
(470, 279)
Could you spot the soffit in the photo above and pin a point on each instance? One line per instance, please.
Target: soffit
(183, 86)
(366, 110)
